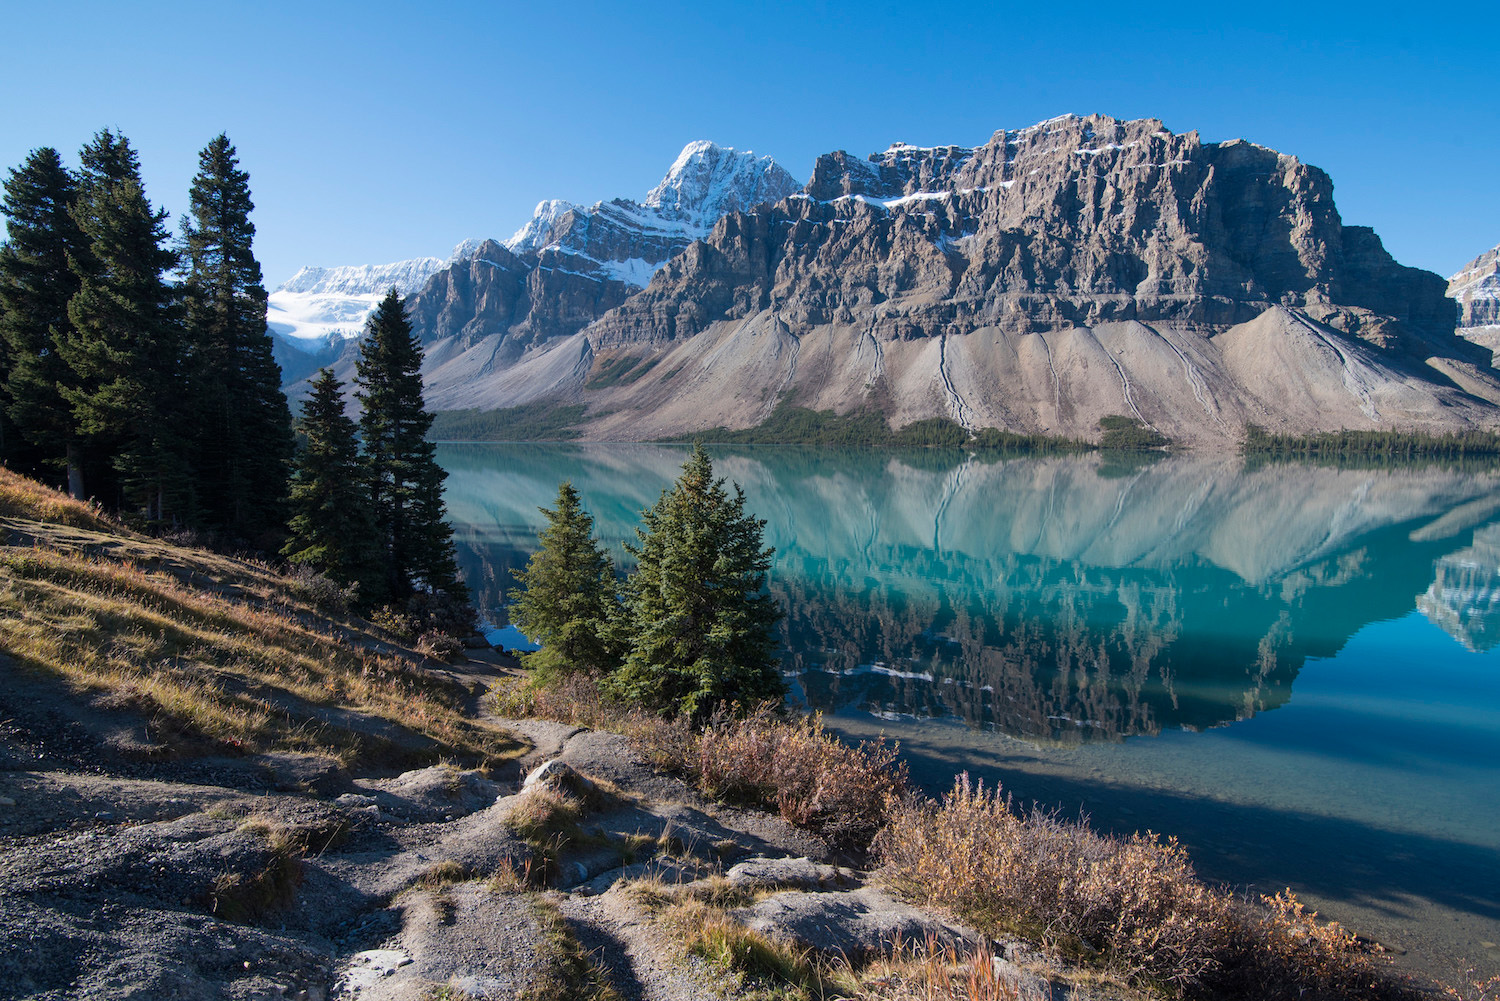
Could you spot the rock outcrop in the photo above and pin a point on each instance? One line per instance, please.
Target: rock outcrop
(1476, 289)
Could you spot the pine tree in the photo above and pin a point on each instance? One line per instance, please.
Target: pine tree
(699, 617)
(124, 347)
(332, 525)
(242, 440)
(35, 287)
(406, 483)
(569, 603)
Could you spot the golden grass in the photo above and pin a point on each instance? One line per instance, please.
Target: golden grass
(25, 498)
(216, 654)
(568, 972)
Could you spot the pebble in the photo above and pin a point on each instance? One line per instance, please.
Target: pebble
(7, 801)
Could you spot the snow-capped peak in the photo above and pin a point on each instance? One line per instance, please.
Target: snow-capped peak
(707, 180)
(537, 232)
(405, 277)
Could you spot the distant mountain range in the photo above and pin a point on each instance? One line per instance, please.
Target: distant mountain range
(1059, 273)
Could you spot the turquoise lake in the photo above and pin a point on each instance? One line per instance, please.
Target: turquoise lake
(1294, 669)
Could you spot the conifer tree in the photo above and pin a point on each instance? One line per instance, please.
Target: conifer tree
(698, 614)
(242, 440)
(569, 603)
(35, 287)
(406, 483)
(333, 526)
(124, 347)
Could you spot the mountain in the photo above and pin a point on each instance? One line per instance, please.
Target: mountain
(316, 315)
(1078, 268)
(1476, 289)
(569, 264)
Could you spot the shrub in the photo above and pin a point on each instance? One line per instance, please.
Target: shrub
(440, 646)
(320, 590)
(1136, 903)
(808, 775)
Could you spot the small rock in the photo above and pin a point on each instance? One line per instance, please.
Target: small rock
(7, 801)
(353, 800)
(555, 772)
(104, 815)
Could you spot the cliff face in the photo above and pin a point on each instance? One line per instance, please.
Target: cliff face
(1070, 223)
(1476, 290)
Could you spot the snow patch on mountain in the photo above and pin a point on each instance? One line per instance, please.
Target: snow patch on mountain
(320, 306)
(365, 279)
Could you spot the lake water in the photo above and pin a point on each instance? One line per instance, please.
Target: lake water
(1295, 669)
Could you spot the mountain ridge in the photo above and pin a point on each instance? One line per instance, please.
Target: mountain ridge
(1057, 274)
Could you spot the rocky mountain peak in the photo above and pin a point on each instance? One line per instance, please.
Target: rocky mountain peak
(1476, 289)
(708, 180)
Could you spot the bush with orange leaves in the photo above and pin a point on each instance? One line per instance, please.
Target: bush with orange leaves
(812, 778)
(1136, 903)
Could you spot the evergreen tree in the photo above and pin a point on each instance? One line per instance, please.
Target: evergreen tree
(332, 525)
(35, 287)
(568, 604)
(242, 439)
(406, 483)
(124, 347)
(699, 617)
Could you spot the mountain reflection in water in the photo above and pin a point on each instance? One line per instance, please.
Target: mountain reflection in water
(1056, 598)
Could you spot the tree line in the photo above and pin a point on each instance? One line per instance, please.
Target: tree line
(138, 371)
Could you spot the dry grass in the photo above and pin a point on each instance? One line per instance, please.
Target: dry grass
(217, 655)
(568, 973)
(256, 896)
(927, 971)
(27, 499)
(761, 966)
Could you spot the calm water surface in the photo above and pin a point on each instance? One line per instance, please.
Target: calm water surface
(1294, 669)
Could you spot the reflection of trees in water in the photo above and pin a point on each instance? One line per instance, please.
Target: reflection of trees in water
(1043, 597)
(1056, 649)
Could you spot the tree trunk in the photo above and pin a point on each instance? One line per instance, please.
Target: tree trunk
(75, 474)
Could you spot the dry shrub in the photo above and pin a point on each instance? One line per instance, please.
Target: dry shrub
(440, 646)
(812, 778)
(1474, 989)
(1135, 903)
(1281, 950)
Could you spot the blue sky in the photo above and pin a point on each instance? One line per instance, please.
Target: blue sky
(380, 131)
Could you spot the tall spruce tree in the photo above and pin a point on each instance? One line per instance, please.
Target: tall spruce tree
(569, 603)
(36, 284)
(333, 525)
(241, 426)
(698, 614)
(406, 483)
(124, 345)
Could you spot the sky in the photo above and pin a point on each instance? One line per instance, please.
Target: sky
(376, 132)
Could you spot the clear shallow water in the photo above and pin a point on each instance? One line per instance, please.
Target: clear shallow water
(1295, 669)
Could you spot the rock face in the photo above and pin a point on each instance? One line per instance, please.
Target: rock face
(1476, 289)
(1057, 274)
